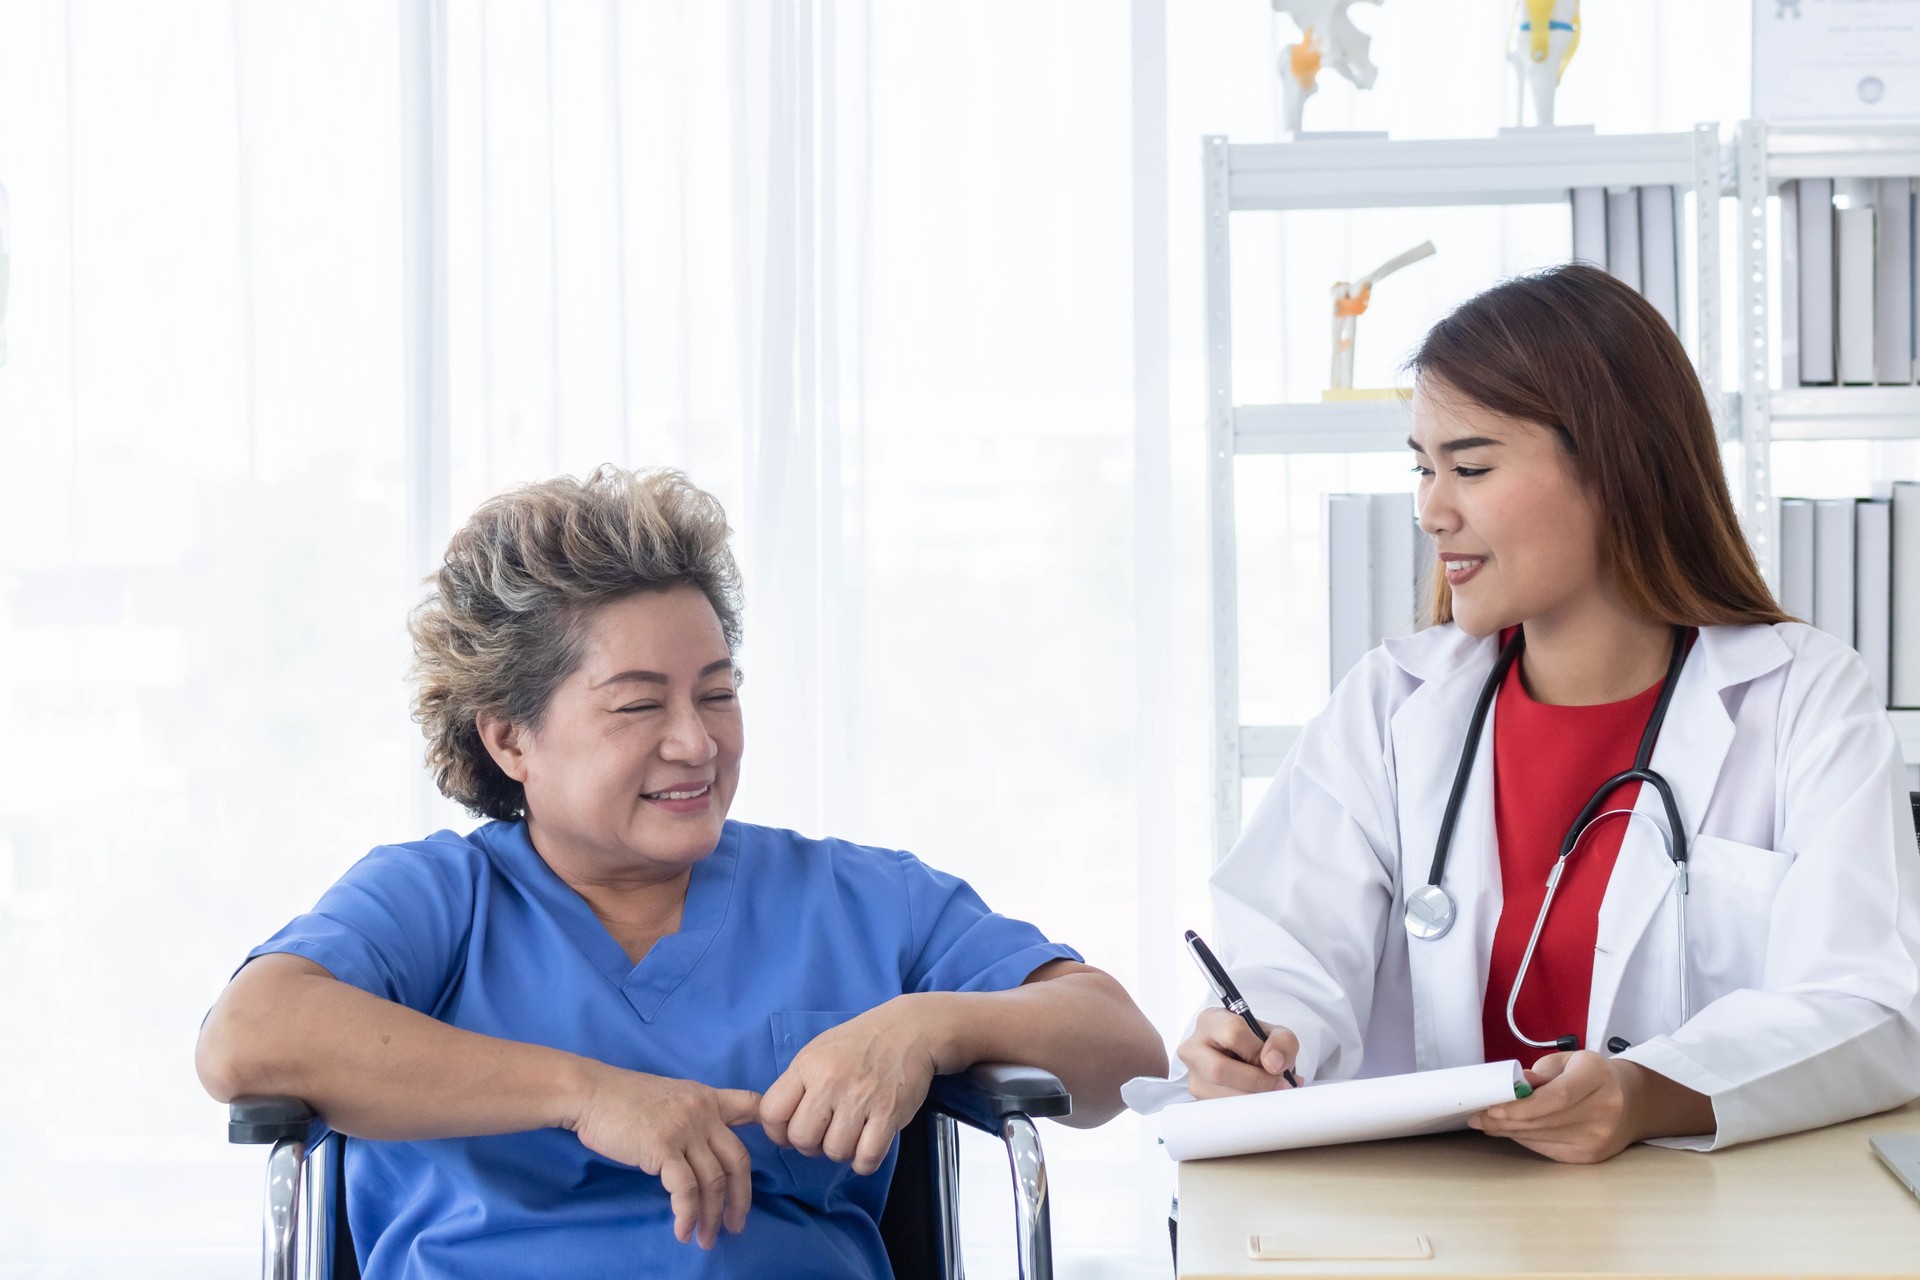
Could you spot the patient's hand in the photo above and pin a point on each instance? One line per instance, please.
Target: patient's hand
(678, 1131)
(854, 1086)
(1225, 1058)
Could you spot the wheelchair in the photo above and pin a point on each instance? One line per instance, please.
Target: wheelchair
(307, 1236)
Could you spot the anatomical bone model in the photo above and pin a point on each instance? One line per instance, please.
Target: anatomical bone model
(1327, 38)
(1350, 301)
(1545, 34)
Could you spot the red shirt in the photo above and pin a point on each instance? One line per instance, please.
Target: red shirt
(1547, 763)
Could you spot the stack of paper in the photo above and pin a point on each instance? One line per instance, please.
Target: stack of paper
(1319, 1115)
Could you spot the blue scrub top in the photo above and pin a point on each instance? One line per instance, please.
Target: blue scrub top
(781, 938)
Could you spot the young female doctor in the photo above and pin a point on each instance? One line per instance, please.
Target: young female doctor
(1614, 814)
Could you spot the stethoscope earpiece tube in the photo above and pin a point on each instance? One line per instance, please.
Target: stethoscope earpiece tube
(1430, 909)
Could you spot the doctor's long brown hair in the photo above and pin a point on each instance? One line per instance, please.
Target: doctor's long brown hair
(1577, 351)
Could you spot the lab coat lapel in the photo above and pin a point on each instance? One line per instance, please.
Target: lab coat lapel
(1449, 974)
(1691, 749)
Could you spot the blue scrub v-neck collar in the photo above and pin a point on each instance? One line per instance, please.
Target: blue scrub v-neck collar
(648, 984)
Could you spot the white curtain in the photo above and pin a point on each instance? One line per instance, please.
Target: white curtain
(914, 288)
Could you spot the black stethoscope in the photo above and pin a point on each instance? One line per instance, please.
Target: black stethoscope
(1431, 910)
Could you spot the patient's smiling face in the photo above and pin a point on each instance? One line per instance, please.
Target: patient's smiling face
(631, 771)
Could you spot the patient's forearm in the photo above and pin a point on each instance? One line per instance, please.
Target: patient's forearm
(1070, 1019)
(375, 1069)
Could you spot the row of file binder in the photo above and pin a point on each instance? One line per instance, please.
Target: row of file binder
(1851, 566)
(1633, 233)
(1848, 282)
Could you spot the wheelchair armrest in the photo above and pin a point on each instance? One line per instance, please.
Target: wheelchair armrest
(988, 1092)
(267, 1119)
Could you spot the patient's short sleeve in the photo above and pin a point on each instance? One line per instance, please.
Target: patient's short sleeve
(959, 944)
(396, 924)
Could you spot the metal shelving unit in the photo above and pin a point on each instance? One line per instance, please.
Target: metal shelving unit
(1525, 170)
(1373, 174)
(1767, 156)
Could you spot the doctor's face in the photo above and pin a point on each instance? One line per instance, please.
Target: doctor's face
(636, 762)
(1518, 535)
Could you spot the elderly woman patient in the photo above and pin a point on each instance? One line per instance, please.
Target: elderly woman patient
(609, 1023)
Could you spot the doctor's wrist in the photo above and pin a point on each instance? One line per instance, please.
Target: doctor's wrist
(1658, 1106)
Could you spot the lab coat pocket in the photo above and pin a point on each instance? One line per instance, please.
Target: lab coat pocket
(1729, 910)
(813, 1177)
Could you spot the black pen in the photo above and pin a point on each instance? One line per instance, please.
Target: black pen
(1229, 994)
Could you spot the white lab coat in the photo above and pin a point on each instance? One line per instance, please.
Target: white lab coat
(1803, 917)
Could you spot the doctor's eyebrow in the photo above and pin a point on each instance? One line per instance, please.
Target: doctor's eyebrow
(655, 677)
(1456, 446)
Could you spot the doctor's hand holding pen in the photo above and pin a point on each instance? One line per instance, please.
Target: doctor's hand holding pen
(1224, 1057)
(1230, 1050)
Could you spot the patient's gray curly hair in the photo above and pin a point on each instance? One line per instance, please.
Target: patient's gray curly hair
(504, 625)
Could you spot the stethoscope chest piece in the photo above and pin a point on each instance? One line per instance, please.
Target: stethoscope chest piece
(1430, 912)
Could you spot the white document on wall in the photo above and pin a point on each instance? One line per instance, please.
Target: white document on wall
(1836, 60)
(1319, 1115)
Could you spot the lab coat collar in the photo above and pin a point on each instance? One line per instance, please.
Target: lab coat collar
(1731, 655)
(1444, 652)
(1429, 731)
(1740, 655)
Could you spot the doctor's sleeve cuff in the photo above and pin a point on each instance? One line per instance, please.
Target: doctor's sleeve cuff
(1730, 1124)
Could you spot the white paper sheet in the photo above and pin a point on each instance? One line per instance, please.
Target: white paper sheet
(1319, 1115)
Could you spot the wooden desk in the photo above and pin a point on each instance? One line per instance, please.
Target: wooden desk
(1812, 1204)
